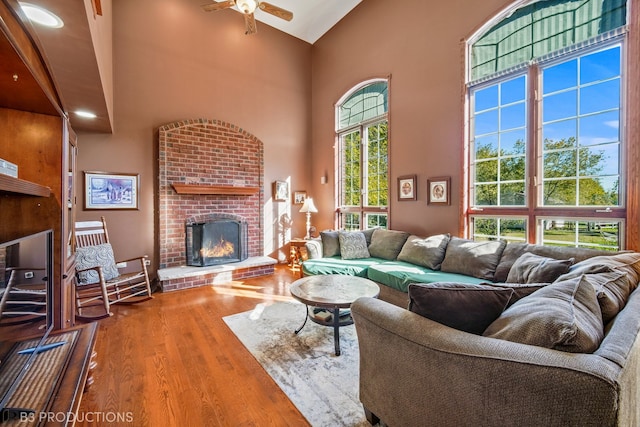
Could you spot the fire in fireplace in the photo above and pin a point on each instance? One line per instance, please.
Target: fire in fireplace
(219, 239)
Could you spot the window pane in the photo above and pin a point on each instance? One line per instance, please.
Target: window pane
(351, 221)
(559, 192)
(487, 147)
(560, 106)
(377, 165)
(513, 91)
(597, 234)
(512, 142)
(351, 169)
(376, 220)
(509, 229)
(600, 65)
(487, 171)
(486, 98)
(486, 195)
(598, 191)
(560, 164)
(599, 97)
(599, 160)
(512, 117)
(561, 76)
(512, 194)
(512, 169)
(486, 122)
(564, 130)
(599, 128)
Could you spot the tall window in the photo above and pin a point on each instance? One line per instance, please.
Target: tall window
(546, 142)
(362, 157)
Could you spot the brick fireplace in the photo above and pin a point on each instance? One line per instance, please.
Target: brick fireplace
(208, 168)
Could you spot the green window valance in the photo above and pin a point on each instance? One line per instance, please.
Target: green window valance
(541, 28)
(364, 104)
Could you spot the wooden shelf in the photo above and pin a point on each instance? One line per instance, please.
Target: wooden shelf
(20, 186)
(214, 189)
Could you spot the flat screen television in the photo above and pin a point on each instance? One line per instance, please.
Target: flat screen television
(26, 306)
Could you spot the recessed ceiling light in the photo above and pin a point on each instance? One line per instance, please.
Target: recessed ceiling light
(86, 114)
(41, 16)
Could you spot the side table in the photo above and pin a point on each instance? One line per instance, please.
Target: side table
(295, 253)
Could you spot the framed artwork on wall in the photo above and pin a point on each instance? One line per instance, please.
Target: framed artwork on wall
(407, 188)
(439, 190)
(299, 197)
(104, 190)
(280, 191)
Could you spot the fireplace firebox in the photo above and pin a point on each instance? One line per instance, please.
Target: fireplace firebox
(218, 240)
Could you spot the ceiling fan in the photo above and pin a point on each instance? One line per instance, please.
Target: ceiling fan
(247, 7)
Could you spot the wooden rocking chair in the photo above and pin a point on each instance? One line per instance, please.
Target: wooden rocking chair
(99, 281)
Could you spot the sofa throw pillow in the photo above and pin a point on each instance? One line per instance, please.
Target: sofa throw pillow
(471, 258)
(563, 316)
(532, 268)
(425, 251)
(520, 290)
(330, 243)
(627, 263)
(95, 256)
(466, 307)
(353, 245)
(612, 290)
(367, 234)
(314, 248)
(387, 244)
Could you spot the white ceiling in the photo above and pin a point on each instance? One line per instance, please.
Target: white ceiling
(311, 18)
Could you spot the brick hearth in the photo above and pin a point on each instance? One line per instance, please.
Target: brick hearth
(208, 153)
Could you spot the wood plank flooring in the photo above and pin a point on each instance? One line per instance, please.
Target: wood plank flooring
(172, 361)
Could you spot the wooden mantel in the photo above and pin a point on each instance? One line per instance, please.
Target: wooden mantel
(213, 189)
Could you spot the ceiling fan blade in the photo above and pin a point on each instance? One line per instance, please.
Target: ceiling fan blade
(218, 6)
(250, 24)
(276, 11)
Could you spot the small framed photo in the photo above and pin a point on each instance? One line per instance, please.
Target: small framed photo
(407, 188)
(299, 197)
(104, 190)
(280, 191)
(439, 190)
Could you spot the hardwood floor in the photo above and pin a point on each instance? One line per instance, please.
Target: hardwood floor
(172, 361)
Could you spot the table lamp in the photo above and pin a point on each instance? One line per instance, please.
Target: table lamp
(308, 207)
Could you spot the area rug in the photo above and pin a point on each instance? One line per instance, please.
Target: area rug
(323, 386)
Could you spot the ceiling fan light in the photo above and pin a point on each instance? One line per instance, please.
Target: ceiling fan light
(247, 6)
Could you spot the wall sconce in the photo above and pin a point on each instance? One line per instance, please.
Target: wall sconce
(308, 207)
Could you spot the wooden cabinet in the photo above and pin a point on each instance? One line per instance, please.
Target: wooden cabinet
(36, 136)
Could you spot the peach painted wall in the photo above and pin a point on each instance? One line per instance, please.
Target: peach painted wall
(172, 61)
(419, 44)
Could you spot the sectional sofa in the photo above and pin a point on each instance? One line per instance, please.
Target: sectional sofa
(489, 333)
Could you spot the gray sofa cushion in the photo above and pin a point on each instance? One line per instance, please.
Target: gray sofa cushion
(520, 290)
(466, 307)
(562, 316)
(513, 251)
(387, 244)
(627, 262)
(353, 245)
(330, 243)
(425, 251)
(532, 268)
(612, 289)
(473, 258)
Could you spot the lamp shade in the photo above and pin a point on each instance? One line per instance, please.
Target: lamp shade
(308, 206)
(247, 6)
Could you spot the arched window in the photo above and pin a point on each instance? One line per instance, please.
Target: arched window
(362, 156)
(546, 111)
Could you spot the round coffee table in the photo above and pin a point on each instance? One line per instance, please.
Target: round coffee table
(326, 295)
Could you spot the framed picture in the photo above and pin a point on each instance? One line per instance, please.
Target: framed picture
(407, 188)
(299, 197)
(439, 190)
(104, 190)
(280, 191)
